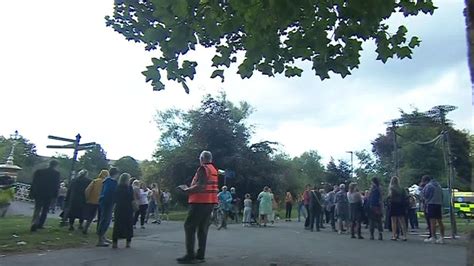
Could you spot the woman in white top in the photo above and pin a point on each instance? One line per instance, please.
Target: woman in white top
(142, 192)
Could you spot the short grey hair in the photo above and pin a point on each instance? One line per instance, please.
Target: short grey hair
(206, 156)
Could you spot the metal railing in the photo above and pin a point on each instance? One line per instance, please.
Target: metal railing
(22, 192)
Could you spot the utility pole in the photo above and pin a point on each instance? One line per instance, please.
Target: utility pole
(448, 160)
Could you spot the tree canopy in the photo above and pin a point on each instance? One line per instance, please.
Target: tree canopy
(128, 164)
(418, 156)
(274, 36)
(94, 160)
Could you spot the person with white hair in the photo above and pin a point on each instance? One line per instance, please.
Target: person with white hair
(202, 196)
(342, 208)
(76, 199)
(225, 203)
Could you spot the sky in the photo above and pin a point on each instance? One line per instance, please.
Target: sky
(63, 72)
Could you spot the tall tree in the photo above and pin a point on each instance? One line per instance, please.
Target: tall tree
(94, 160)
(274, 35)
(128, 164)
(219, 126)
(418, 156)
(337, 173)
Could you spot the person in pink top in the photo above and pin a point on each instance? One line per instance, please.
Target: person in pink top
(306, 198)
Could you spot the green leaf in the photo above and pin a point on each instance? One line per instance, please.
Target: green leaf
(293, 71)
(218, 73)
(414, 42)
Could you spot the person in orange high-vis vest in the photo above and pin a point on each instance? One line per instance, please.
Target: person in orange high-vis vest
(202, 198)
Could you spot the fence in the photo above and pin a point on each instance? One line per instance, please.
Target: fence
(22, 192)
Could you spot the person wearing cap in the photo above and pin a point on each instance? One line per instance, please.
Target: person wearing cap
(202, 196)
(44, 189)
(76, 199)
(225, 203)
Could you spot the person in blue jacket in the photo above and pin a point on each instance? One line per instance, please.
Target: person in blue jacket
(225, 202)
(106, 206)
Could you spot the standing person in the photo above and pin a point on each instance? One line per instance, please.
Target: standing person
(106, 206)
(397, 198)
(424, 207)
(76, 199)
(375, 208)
(315, 209)
(306, 198)
(413, 206)
(61, 196)
(355, 210)
(142, 203)
(44, 189)
(301, 208)
(92, 194)
(123, 214)
(265, 205)
(247, 210)
(225, 202)
(202, 198)
(288, 205)
(433, 195)
(235, 204)
(165, 203)
(274, 206)
(330, 206)
(323, 206)
(342, 208)
(154, 201)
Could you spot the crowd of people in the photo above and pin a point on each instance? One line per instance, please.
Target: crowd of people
(344, 208)
(120, 198)
(110, 196)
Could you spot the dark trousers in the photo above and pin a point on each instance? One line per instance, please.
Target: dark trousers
(289, 206)
(105, 218)
(41, 212)
(332, 218)
(142, 213)
(375, 221)
(315, 217)
(413, 218)
(355, 227)
(197, 220)
(306, 222)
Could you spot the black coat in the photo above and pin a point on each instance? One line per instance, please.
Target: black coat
(45, 184)
(315, 200)
(123, 215)
(76, 197)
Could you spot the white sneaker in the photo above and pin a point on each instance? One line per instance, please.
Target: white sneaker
(440, 241)
(430, 240)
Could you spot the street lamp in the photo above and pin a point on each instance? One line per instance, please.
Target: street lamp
(352, 163)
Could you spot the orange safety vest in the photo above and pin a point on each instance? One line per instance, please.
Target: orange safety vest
(209, 193)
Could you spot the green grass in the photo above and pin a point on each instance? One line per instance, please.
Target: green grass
(15, 236)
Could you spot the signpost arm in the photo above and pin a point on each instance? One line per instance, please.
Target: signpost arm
(74, 157)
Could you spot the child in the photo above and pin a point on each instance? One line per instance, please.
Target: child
(247, 210)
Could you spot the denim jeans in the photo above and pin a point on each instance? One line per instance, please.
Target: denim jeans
(105, 218)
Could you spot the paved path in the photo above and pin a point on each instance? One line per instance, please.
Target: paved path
(283, 244)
